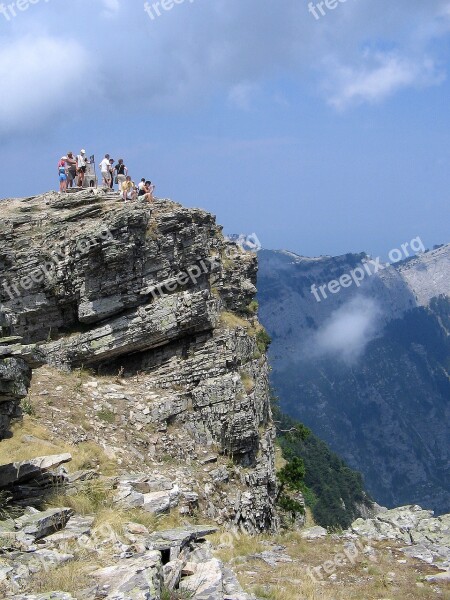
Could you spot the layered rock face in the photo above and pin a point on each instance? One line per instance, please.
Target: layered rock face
(16, 362)
(131, 288)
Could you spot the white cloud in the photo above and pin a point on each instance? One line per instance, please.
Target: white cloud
(40, 82)
(200, 51)
(380, 77)
(347, 332)
(112, 8)
(242, 94)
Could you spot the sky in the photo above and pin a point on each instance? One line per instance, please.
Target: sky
(320, 133)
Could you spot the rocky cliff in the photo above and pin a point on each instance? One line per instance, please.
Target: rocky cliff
(153, 293)
(16, 363)
(144, 462)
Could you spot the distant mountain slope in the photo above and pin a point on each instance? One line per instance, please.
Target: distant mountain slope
(367, 368)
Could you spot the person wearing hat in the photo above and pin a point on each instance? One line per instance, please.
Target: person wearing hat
(81, 166)
(71, 165)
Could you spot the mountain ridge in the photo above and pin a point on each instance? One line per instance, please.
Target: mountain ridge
(330, 360)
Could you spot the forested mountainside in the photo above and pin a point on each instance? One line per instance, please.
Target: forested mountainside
(367, 368)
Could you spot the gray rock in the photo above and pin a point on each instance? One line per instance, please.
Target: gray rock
(232, 589)
(152, 289)
(133, 579)
(17, 568)
(20, 472)
(428, 537)
(40, 524)
(46, 596)
(439, 577)
(157, 502)
(77, 527)
(207, 581)
(272, 558)
(314, 533)
(178, 538)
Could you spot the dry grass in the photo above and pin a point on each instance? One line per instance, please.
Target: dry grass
(31, 440)
(28, 441)
(232, 546)
(233, 321)
(70, 577)
(280, 461)
(89, 455)
(248, 382)
(384, 578)
(91, 498)
(97, 498)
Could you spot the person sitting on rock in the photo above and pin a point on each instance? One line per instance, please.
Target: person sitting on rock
(62, 174)
(128, 189)
(146, 193)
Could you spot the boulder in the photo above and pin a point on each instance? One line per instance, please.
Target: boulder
(20, 472)
(133, 579)
(179, 537)
(314, 533)
(206, 583)
(39, 524)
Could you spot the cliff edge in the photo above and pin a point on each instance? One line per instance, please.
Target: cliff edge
(152, 294)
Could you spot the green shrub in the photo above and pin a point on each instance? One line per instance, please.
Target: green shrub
(252, 308)
(27, 407)
(106, 415)
(263, 340)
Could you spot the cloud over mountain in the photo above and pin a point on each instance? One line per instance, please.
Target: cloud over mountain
(347, 332)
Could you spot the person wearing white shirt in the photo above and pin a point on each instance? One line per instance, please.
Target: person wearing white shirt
(82, 162)
(106, 173)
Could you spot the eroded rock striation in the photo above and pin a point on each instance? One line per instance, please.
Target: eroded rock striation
(130, 288)
(16, 362)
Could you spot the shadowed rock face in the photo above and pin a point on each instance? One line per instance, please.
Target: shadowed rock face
(138, 287)
(16, 362)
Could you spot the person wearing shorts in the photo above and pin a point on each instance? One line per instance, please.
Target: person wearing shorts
(146, 193)
(122, 173)
(128, 189)
(81, 167)
(106, 174)
(71, 164)
(62, 174)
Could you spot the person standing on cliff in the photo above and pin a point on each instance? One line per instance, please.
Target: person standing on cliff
(82, 162)
(71, 164)
(111, 173)
(62, 173)
(104, 168)
(122, 173)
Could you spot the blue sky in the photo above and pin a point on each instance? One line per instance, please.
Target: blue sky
(322, 136)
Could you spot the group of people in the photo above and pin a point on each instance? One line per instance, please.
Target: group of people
(118, 174)
(71, 168)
